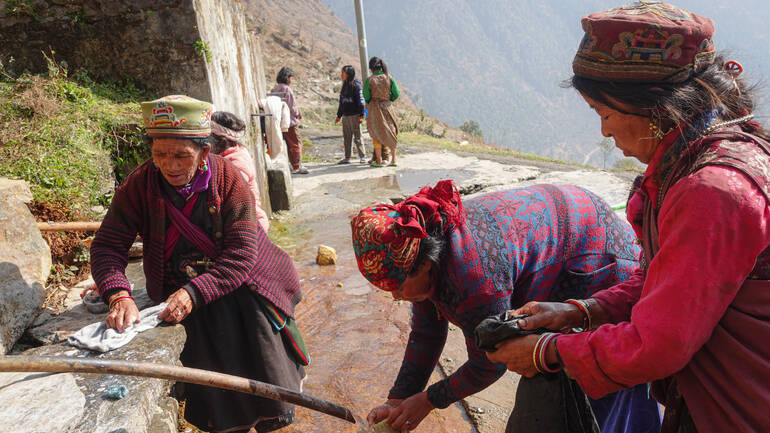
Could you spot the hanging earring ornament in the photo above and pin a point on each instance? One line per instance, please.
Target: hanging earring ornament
(734, 69)
(655, 129)
(655, 126)
(204, 166)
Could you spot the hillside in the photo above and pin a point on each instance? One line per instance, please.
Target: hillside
(306, 36)
(502, 64)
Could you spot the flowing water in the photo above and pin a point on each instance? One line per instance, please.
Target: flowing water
(356, 335)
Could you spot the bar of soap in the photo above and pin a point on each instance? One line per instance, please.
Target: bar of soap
(380, 427)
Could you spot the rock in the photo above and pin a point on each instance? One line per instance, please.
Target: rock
(166, 420)
(279, 182)
(326, 256)
(146, 408)
(79, 399)
(58, 327)
(25, 262)
(58, 402)
(381, 427)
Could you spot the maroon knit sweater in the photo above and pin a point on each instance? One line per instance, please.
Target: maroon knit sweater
(246, 254)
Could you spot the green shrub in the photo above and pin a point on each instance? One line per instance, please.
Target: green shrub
(70, 138)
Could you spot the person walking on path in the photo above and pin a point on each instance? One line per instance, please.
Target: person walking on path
(380, 90)
(694, 321)
(351, 112)
(292, 137)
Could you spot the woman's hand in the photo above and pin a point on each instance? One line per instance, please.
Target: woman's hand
(516, 354)
(382, 411)
(179, 306)
(555, 316)
(410, 413)
(337, 120)
(123, 314)
(90, 288)
(360, 119)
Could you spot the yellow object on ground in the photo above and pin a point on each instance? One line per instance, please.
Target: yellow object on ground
(326, 255)
(381, 427)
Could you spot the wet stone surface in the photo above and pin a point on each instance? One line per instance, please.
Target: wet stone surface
(356, 336)
(78, 402)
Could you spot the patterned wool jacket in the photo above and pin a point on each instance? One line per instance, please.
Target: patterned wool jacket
(543, 243)
(246, 256)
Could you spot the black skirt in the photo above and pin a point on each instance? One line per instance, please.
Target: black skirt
(232, 335)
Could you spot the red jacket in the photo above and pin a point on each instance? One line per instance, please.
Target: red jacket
(695, 315)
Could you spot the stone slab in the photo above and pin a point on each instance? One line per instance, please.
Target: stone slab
(25, 262)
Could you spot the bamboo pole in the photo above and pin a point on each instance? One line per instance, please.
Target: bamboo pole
(78, 226)
(174, 373)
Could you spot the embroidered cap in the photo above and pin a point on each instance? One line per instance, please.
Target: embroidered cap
(177, 116)
(644, 41)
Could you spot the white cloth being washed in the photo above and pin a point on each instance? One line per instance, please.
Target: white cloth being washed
(98, 337)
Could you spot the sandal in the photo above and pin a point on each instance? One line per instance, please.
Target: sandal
(376, 165)
(392, 164)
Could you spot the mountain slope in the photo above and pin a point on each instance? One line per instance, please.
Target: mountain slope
(501, 62)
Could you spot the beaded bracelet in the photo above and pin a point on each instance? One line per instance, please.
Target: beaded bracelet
(583, 306)
(118, 299)
(542, 351)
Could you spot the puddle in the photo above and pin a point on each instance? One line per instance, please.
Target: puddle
(411, 181)
(393, 186)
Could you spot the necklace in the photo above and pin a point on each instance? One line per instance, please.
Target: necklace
(711, 128)
(716, 126)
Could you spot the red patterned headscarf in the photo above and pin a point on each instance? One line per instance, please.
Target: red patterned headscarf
(386, 238)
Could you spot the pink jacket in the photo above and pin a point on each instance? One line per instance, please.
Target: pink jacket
(694, 315)
(241, 158)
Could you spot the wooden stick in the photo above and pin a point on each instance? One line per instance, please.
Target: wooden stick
(78, 226)
(174, 373)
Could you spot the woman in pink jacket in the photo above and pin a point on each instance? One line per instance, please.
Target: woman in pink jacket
(228, 129)
(695, 320)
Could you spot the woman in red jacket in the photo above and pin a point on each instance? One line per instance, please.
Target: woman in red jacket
(695, 320)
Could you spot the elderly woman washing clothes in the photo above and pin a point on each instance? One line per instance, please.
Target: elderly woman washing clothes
(208, 258)
(462, 262)
(695, 319)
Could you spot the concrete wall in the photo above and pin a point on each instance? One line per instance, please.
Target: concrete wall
(235, 72)
(154, 43)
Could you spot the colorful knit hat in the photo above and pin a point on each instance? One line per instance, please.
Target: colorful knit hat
(644, 41)
(177, 116)
(386, 238)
